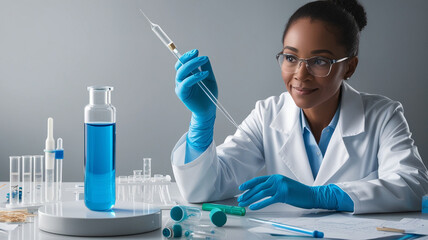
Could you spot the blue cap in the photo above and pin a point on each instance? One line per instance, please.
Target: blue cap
(318, 234)
(167, 232)
(176, 231)
(59, 154)
(177, 213)
(218, 217)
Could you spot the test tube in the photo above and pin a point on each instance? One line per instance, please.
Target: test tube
(121, 188)
(192, 231)
(15, 174)
(26, 179)
(137, 175)
(38, 178)
(59, 156)
(181, 213)
(204, 232)
(147, 168)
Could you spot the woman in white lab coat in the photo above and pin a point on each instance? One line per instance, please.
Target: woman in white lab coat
(322, 143)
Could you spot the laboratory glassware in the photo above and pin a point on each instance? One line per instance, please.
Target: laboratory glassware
(26, 179)
(171, 46)
(100, 149)
(15, 174)
(137, 176)
(38, 178)
(59, 156)
(49, 163)
(147, 168)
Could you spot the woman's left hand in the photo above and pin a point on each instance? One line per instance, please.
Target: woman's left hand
(279, 189)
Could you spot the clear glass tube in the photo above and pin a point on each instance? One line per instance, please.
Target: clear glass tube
(27, 169)
(192, 231)
(147, 168)
(204, 232)
(185, 213)
(38, 178)
(137, 176)
(58, 179)
(59, 156)
(49, 182)
(15, 174)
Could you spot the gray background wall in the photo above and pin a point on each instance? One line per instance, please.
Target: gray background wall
(50, 51)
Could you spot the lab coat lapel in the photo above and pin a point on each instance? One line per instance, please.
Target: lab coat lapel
(351, 123)
(293, 152)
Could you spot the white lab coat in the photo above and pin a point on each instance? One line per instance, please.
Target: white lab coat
(371, 155)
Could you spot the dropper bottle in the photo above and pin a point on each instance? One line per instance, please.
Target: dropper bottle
(49, 163)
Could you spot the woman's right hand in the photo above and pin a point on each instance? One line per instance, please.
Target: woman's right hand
(187, 89)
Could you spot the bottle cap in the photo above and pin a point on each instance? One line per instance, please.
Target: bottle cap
(177, 213)
(218, 217)
(174, 231)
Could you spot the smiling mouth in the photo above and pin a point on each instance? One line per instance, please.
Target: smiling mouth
(304, 91)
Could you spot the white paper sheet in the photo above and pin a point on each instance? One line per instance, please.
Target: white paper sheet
(333, 226)
(8, 227)
(410, 225)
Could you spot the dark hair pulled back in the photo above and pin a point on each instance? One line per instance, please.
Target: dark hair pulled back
(348, 16)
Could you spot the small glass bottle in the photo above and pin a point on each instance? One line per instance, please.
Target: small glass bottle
(100, 150)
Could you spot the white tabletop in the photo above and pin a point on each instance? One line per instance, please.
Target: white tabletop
(235, 228)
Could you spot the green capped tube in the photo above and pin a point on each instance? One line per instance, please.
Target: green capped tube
(234, 210)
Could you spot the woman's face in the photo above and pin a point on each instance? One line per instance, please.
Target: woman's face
(307, 38)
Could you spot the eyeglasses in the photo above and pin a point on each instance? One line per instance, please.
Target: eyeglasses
(317, 66)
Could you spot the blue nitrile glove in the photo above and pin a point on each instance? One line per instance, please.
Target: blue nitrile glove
(283, 189)
(201, 127)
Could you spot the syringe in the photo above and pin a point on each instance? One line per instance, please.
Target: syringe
(171, 46)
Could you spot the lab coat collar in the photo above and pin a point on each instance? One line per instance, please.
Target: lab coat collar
(293, 152)
(352, 118)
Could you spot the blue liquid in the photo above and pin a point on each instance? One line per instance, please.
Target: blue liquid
(100, 166)
(425, 204)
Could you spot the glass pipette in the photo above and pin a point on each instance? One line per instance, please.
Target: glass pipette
(170, 45)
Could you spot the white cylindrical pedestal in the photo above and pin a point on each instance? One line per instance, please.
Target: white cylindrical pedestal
(73, 218)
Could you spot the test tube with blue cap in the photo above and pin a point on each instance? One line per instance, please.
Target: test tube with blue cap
(59, 156)
(181, 213)
(191, 230)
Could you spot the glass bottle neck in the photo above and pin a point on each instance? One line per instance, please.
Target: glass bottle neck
(99, 97)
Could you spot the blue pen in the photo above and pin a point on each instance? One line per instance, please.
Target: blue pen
(315, 233)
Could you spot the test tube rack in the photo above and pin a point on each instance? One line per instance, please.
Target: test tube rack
(151, 190)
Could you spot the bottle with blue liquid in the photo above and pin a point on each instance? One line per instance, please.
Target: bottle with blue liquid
(100, 150)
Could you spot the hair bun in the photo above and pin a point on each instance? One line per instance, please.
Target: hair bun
(355, 9)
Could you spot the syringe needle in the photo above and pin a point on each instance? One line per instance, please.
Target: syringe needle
(170, 45)
(146, 17)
